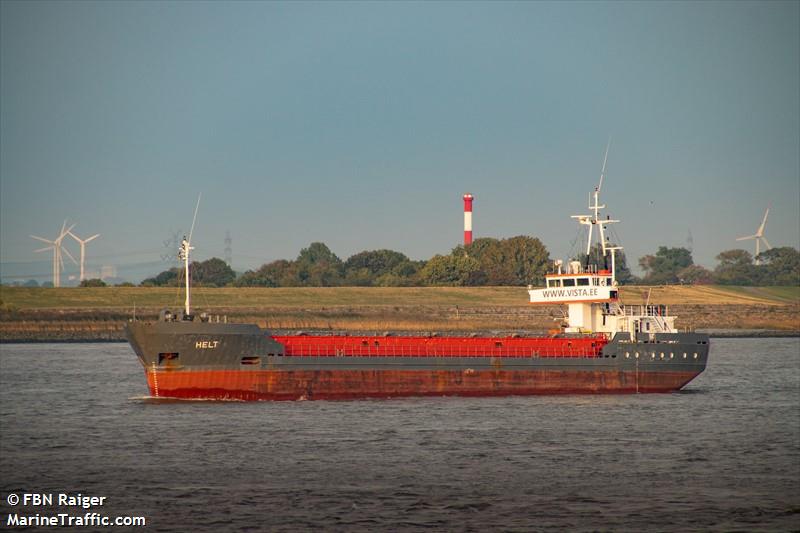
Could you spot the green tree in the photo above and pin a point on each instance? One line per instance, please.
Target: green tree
(317, 253)
(317, 266)
(268, 275)
(490, 253)
(379, 267)
(736, 268)
(169, 277)
(448, 270)
(213, 272)
(519, 260)
(663, 267)
(695, 275)
(780, 266)
(94, 282)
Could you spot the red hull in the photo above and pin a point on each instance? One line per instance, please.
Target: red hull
(351, 384)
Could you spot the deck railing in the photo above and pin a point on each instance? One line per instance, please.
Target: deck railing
(326, 350)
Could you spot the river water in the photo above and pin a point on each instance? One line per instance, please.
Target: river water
(724, 454)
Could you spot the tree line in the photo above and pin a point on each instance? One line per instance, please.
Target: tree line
(515, 261)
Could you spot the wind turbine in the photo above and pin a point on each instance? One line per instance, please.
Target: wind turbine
(83, 247)
(759, 236)
(55, 244)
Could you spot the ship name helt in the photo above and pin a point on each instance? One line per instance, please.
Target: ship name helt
(206, 344)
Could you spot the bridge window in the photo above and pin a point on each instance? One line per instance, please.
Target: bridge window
(583, 281)
(569, 282)
(251, 360)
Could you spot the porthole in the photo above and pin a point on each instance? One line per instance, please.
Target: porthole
(627, 355)
(653, 355)
(637, 355)
(695, 355)
(684, 355)
(662, 355)
(671, 355)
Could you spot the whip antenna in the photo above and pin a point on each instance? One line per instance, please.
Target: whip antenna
(603, 172)
(194, 218)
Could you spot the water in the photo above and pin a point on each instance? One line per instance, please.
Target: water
(722, 455)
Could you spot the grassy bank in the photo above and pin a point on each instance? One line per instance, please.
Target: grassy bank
(305, 297)
(100, 313)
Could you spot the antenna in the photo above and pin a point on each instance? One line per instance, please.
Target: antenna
(55, 245)
(759, 236)
(83, 242)
(194, 218)
(603, 171)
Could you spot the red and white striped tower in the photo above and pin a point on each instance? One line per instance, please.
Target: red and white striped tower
(467, 219)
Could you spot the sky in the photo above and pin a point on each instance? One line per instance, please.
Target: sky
(361, 125)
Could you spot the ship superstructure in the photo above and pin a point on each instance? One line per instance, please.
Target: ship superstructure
(591, 291)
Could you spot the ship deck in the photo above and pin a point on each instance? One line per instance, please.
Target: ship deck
(421, 346)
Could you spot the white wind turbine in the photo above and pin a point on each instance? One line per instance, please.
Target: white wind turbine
(55, 244)
(83, 247)
(759, 236)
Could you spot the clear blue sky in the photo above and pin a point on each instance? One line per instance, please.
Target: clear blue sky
(362, 124)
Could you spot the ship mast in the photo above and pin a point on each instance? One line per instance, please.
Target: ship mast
(595, 220)
(183, 253)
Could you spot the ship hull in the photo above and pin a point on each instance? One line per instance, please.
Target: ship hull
(240, 362)
(355, 384)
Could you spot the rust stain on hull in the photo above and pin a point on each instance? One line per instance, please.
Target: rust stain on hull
(352, 384)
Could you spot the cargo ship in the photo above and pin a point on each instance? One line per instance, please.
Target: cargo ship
(601, 346)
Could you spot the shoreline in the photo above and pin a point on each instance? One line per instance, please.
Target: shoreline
(95, 339)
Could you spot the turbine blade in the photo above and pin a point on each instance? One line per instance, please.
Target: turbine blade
(44, 249)
(747, 238)
(68, 255)
(41, 239)
(93, 237)
(769, 246)
(68, 232)
(64, 233)
(763, 223)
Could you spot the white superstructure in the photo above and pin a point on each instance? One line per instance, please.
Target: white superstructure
(591, 291)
